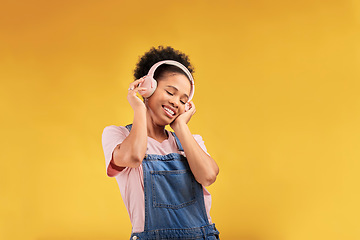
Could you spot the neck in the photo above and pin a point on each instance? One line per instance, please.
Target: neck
(155, 131)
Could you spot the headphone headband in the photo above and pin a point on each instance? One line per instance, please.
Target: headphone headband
(179, 65)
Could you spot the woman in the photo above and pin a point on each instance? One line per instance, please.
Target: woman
(162, 175)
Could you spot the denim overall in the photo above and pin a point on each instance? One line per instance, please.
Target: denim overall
(174, 200)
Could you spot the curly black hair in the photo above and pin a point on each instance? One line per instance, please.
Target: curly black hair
(161, 53)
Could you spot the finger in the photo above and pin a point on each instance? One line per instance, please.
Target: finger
(139, 80)
(136, 90)
(136, 83)
(191, 105)
(140, 89)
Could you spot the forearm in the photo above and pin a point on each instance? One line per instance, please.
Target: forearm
(202, 165)
(133, 149)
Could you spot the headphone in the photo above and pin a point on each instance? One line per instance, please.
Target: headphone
(150, 83)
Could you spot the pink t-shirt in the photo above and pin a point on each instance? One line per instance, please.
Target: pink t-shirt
(130, 180)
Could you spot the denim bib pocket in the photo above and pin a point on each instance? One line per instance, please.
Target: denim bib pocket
(180, 183)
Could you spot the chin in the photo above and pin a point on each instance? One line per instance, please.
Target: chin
(162, 122)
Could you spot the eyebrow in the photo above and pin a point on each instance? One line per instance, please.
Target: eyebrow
(177, 90)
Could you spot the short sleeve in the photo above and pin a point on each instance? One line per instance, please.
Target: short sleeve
(201, 143)
(111, 137)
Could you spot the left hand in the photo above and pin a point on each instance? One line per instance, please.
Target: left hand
(184, 117)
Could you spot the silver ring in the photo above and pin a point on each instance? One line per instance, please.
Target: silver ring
(130, 89)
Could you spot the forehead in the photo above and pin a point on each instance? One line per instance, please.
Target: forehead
(178, 80)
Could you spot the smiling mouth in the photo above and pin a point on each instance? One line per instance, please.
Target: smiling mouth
(169, 112)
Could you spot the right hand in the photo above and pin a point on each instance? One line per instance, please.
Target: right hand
(135, 102)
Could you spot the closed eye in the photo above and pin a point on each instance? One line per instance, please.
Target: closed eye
(172, 94)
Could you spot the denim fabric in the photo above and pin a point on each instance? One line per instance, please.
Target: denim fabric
(174, 200)
(208, 232)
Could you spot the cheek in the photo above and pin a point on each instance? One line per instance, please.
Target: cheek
(182, 109)
(151, 102)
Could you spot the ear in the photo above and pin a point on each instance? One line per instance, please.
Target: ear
(145, 100)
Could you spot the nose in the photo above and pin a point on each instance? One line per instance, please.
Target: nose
(173, 101)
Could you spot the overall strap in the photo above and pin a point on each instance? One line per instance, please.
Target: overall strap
(178, 142)
(129, 127)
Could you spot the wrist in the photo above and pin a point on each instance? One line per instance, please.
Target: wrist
(140, 109)
(140, 113)
(178, 126)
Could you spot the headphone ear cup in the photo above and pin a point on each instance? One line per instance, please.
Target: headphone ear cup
(150, 84)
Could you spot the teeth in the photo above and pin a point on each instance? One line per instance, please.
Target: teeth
(169, 110)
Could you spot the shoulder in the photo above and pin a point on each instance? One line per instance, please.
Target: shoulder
(201, 143)
(112, 132)
(115, 129)
(198, 138)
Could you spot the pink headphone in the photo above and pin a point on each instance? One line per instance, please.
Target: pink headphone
(150, 83)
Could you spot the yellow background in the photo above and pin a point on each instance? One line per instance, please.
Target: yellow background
(277, 97)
